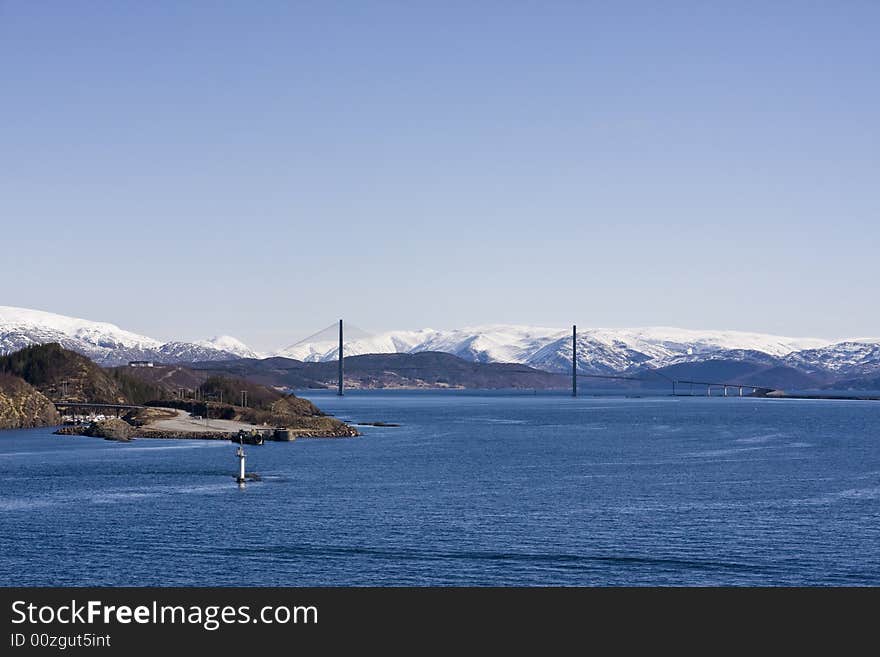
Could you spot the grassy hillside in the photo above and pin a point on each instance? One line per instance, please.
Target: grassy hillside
(230, 390)
(143, 384)
(59, 373)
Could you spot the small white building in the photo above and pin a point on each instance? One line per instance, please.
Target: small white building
(140, 363)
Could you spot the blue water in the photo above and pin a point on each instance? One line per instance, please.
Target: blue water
(475, 489)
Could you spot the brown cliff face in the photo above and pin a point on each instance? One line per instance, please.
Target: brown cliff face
(22, 406)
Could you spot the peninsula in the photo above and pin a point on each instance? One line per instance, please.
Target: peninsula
(47, 385)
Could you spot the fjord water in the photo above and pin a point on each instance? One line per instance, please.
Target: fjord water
(472, 489)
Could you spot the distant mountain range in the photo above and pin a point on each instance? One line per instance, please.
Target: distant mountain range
(104, 343)
(677, 353)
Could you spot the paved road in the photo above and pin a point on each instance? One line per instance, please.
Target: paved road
(185, 423)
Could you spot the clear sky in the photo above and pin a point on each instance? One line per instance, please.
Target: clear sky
(260, 169)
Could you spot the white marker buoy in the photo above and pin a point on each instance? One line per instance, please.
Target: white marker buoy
(240, 454)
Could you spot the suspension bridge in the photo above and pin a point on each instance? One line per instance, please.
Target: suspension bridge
(329, 343)
(62, 405)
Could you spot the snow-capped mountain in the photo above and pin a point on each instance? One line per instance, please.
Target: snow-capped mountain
(192, 352)
(595, 356)
(600, 351)
(849, 359)
(104, 343)
(486, 344)
(229, 345)
(100, 341)
(492, 344)
(324, 348)
(605, 351)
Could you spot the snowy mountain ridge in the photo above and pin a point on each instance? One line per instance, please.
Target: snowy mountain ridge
(105, 343)
(600, 350)
(229, 345)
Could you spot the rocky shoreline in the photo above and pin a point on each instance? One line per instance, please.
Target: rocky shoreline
(110, 430)
(39, 381)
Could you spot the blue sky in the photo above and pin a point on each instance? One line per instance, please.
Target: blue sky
(260, 169)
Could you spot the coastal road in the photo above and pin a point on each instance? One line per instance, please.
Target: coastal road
(185, 423)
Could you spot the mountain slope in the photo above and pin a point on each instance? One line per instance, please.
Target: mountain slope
(739, 372)
(59, 374)
(226, 344)
(421, 370)
(105, 343)
(600, 351)
(846, 359)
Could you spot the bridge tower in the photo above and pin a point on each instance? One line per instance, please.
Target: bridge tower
(340, 391)
(574, 360)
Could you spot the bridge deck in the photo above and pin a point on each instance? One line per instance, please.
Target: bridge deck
(67, 404)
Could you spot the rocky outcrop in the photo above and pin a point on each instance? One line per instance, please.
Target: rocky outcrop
(183, 435)
(141, 417)
(300, 416)
(22, 406)
(109, 429)
(335, 430)
(339, 431)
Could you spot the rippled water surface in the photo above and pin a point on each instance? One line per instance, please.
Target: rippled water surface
(484, 489)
